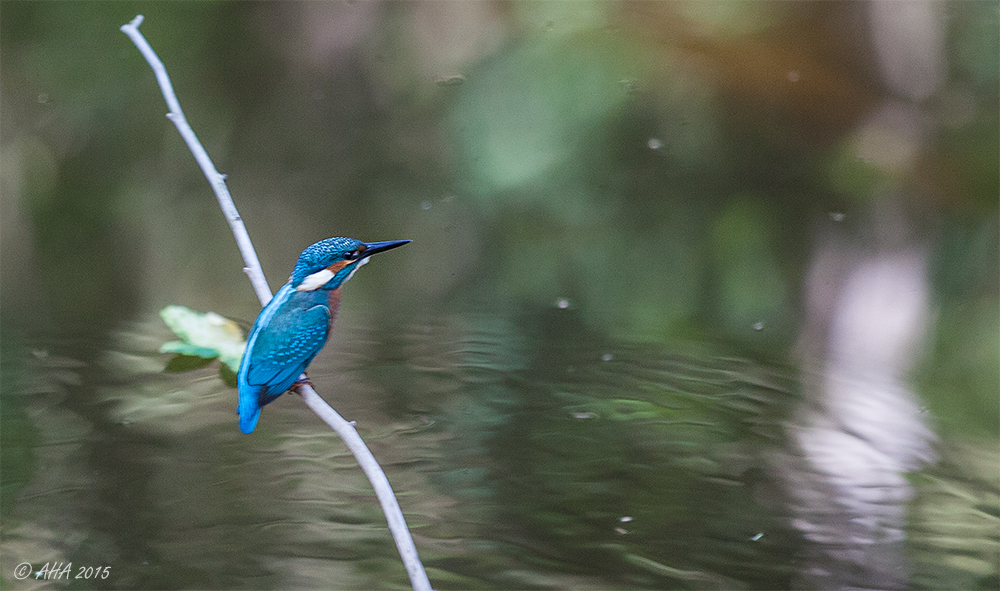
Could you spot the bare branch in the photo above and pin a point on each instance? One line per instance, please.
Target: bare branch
(218, 181)
(394, 516)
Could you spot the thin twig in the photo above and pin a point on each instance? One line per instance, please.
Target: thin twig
(217, 180)
(371, 468)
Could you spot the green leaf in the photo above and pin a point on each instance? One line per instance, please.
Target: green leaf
(228, 375)
(180, 362)
(207, 336)
(188, 350)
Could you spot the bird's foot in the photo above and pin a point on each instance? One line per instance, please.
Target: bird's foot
(301, 382)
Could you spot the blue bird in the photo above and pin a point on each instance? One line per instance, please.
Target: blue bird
(294, 325)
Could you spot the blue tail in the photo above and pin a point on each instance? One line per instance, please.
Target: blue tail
(249, 408)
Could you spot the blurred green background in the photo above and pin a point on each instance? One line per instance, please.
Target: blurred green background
(574, 372)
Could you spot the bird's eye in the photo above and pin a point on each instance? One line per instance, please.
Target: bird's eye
(356, 253)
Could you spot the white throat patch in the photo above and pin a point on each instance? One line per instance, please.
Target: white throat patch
(316, 280)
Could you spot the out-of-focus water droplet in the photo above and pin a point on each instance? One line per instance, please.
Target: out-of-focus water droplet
(793, 76)
(43, 98)
(425, 205)
(758, 326)
(836, 216)
(654, 144)
(607, 357)
(621, 530)
(625, 518)
(562, 303)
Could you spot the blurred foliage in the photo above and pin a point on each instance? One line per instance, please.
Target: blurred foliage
(544, 103)
(204, 337)
(960, 383)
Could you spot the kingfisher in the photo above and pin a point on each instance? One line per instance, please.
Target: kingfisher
(294, 325)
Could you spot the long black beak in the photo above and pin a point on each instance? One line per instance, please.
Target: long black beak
(376, 247)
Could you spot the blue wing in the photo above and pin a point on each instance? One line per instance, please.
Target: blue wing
(288, 333)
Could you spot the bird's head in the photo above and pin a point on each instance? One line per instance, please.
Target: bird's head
(329, 263)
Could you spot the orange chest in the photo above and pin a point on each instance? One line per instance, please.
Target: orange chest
(333, 301)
